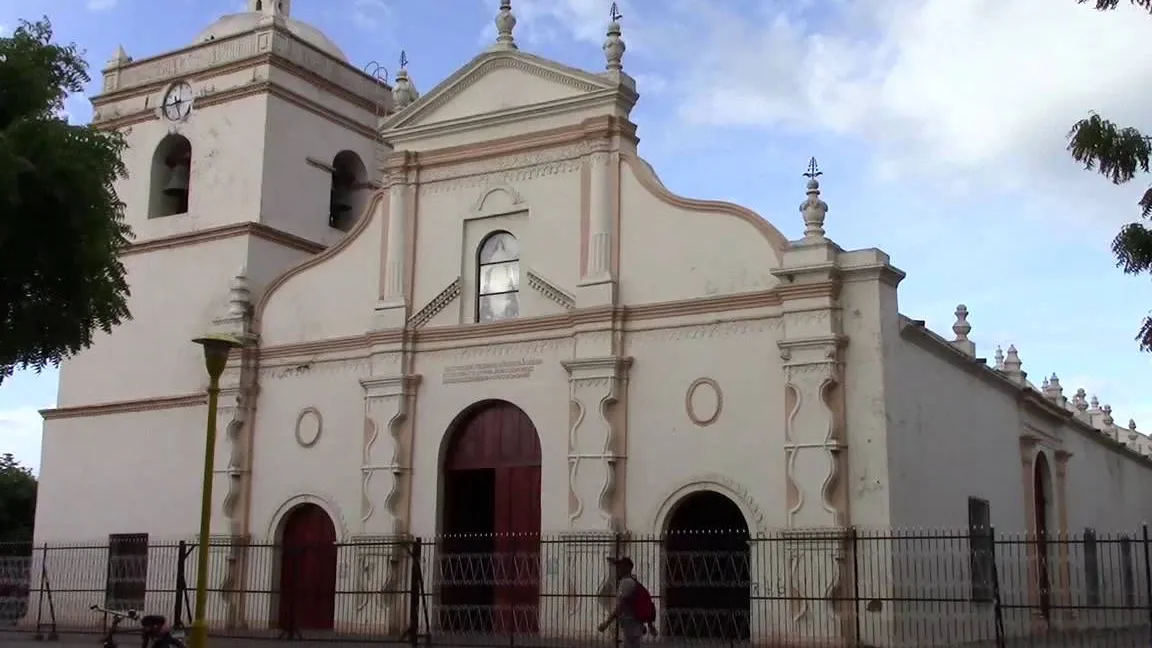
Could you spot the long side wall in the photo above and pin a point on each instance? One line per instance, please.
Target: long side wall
(959, 430)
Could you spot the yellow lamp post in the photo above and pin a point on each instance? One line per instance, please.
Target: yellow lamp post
(216, 350)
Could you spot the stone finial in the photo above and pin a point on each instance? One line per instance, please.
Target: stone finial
(1108, 420)
(1013, 367)
(239, 295)
(1053, 390)
(961, 329)
(1094, 403)
(1132, 429)
(505, 23)
(998, 359)
(813, 208)
(119, 58)
(614, 46)
(403, 91)
(1080, 400)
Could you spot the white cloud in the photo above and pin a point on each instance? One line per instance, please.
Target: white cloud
(369, 14)
(20, 430)
(101, 5)
(986, 89)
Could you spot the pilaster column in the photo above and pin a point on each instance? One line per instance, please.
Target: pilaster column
(815, 448)
(597, 451)
(600, 213)
(384, 464)
(596, 443)
(395, 260)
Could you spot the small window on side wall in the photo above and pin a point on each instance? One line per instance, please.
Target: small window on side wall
(498, 278)
(981, 552)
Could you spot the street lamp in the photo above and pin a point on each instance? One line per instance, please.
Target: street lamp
(216, 350)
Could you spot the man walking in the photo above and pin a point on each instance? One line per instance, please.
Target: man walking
(634, 610)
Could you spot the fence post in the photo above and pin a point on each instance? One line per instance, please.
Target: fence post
(854, 535)
(45, 590)
(414, 594)
(181, 585)
(1148, 579)
(997, 609)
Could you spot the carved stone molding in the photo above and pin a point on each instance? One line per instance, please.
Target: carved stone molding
(814, 444)
(557, 295)
(384, 469)
(706, 418)
(309, 427)
(438, 303)
(723, 484)
(597, 387)
(504, 170)
(466, 78)
(482, 206)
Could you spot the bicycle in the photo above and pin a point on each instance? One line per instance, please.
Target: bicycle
(154, 631)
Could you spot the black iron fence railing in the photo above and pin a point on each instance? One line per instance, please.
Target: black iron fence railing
(853, 587)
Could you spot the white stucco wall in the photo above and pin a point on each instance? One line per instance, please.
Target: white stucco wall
(175, 293)
(295, 194)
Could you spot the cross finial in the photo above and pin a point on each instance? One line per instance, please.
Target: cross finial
(403, 59)
(614, 12)
(813, 171)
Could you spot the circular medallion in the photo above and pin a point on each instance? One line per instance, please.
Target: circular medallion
(704, 401)
(309, 425)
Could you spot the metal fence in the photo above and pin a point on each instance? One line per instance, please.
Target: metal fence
(862, 588)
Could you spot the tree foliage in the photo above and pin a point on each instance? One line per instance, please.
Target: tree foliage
(17, 502)
(1120, 153)
(61, 223)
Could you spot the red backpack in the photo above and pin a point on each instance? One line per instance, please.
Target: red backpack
(643, 609)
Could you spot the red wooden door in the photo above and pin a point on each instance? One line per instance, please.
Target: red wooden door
(500, 437)
(517, 549)
(308, 570)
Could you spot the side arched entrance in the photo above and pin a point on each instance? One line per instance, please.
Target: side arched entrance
(307, 570)
(707, 589)
(490, 566)
(1041, 504)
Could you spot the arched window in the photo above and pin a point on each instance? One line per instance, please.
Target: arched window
(171, 179)
(498, 278)
(348, 179)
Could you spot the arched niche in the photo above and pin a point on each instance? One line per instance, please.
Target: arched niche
(170, 182)
(348, 190)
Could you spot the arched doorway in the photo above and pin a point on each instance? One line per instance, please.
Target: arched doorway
(490, 556)
(307, 570)
(707, 589)
(1041, 504)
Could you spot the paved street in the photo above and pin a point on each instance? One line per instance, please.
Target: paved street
(23, 639)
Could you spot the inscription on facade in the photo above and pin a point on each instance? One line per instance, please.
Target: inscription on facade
(482, 371)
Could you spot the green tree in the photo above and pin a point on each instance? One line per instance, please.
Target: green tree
(61, 223)
(17, 502)
(1120, 153)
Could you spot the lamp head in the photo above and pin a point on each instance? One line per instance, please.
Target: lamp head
(216, 350)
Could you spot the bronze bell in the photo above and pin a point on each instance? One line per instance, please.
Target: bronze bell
(178, 180)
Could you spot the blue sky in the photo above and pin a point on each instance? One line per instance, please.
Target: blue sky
(939, 125)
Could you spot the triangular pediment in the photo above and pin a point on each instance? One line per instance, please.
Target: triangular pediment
(501, 82)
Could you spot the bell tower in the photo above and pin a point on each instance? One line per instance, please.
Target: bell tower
(254, 149)
(282, 8)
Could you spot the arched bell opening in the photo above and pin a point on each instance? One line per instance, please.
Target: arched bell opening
(171, 181)
(347, 190)
(706, 571)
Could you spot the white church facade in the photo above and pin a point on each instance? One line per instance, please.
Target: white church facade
(479, 311)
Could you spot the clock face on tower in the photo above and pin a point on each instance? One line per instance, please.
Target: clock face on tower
(178, 102)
